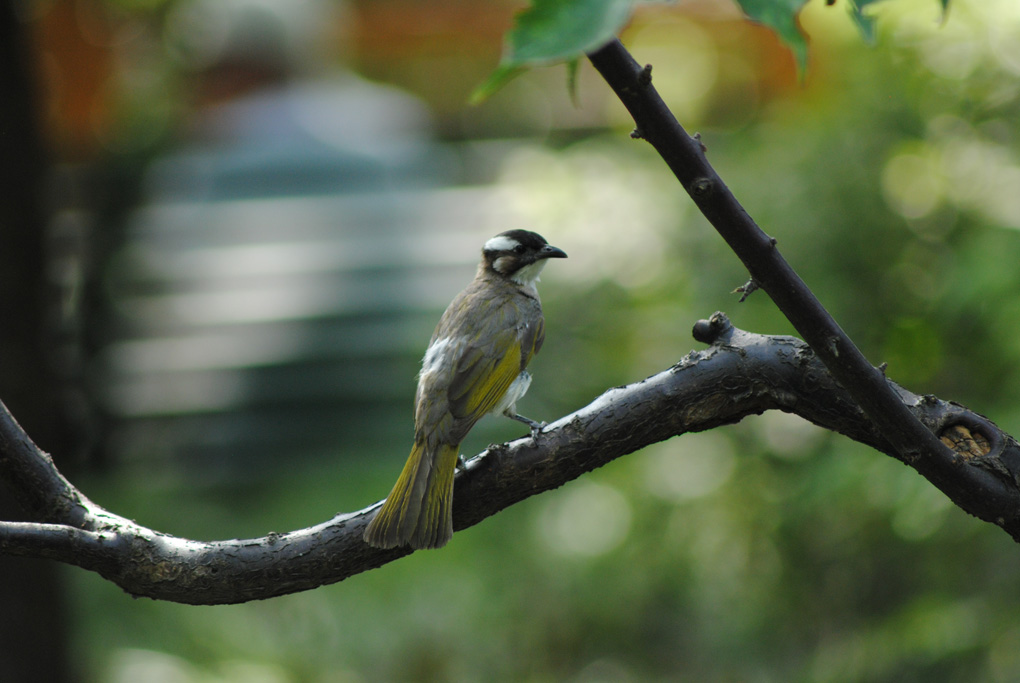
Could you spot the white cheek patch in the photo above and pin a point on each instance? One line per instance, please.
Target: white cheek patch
(501, 243)
(502, 264)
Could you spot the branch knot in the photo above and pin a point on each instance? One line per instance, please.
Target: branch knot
(711, 330)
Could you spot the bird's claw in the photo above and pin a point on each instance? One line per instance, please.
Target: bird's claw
(536, 429)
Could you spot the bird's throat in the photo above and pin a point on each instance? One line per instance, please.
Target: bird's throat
(528, 275)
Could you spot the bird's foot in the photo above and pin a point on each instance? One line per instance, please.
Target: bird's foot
(536, 427)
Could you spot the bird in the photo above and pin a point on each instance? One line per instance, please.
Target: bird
(475, 364)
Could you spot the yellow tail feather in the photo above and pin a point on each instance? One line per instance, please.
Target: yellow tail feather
(419, 509)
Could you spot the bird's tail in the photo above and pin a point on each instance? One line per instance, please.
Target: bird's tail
(419, 509)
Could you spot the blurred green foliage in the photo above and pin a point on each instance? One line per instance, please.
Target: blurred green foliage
(768, 551)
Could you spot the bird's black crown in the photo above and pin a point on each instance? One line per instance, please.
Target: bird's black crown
(515, 241)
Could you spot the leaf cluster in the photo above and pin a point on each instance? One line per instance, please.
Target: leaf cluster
(552, 31)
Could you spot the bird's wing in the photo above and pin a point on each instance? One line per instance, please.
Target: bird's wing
(484, 371)
(532, 337)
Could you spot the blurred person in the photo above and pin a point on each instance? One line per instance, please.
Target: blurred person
(269, 93)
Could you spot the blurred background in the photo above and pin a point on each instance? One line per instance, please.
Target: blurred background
(229, 227)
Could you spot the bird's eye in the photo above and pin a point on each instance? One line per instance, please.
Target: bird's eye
(519, 249)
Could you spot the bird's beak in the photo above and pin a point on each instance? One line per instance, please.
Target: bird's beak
(549, 251)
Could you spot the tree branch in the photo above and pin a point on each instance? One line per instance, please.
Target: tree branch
(41, 490)
(685, 156)
(740, 374)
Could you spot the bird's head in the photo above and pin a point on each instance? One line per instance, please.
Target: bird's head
(518, 255)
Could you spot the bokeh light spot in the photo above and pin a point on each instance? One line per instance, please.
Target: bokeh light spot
(913, 184)
(586, 519)
(690, 467)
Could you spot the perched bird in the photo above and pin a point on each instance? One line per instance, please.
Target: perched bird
(474, 365)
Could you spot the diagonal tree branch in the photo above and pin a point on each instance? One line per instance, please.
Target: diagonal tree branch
(685, 156)
(739, 374)
(41, 490)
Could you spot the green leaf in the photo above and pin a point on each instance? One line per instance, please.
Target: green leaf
(572, 70)
(552, 31)
(781, 17)
(866, 23)
(496, 80)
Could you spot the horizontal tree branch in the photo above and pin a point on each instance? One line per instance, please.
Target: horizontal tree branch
(739, 374)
